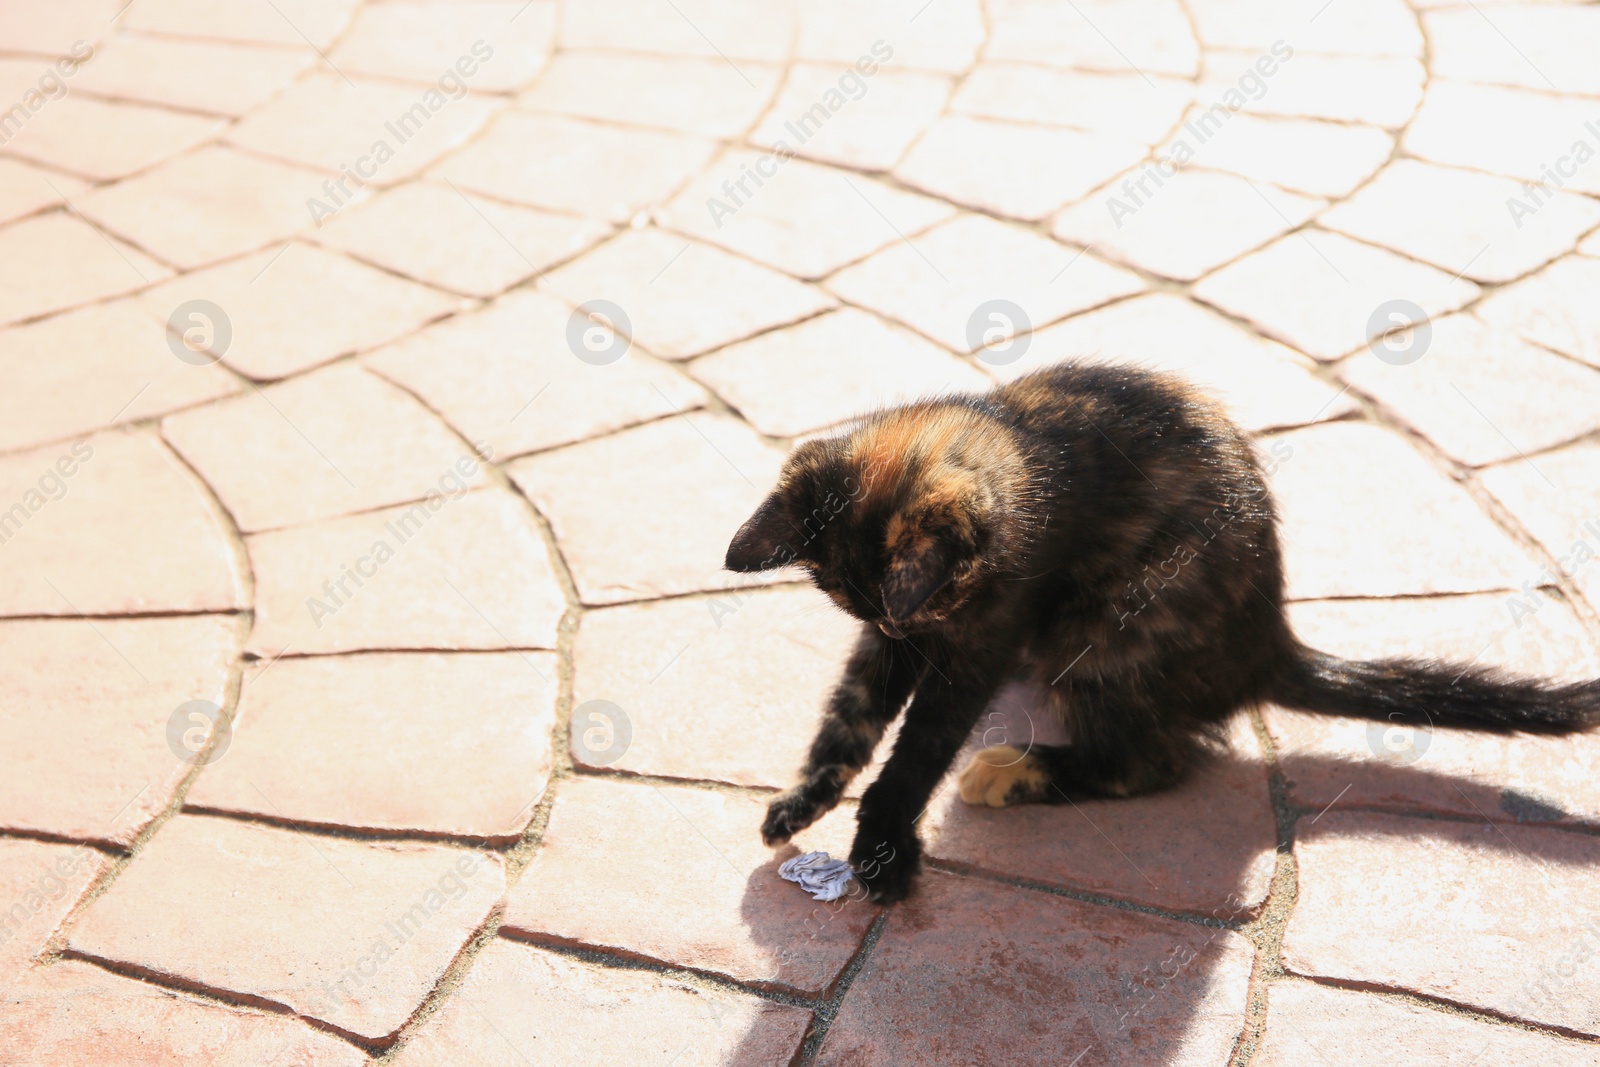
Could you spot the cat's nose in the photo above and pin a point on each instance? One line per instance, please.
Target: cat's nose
(890, 629)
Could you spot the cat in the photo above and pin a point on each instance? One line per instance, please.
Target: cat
(1102, 531)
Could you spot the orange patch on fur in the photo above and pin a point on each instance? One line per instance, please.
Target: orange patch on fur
(1001, 776)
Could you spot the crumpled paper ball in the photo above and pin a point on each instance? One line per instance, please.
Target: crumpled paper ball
(818, 874)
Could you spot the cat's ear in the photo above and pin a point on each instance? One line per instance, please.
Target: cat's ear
(762, 543)
(923, 566)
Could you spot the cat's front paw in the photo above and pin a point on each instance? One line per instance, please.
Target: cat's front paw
(886, 864)
(790, 812)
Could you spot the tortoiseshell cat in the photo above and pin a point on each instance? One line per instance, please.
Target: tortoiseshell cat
(1102, 530)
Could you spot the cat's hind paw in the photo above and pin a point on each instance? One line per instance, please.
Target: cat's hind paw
(1003, 775)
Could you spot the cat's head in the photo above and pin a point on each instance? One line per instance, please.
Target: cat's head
(899, 520)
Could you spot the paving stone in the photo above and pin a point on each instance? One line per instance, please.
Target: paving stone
(1517, 132)
(76, 1015)
(467, 244)
(1381, 90)
(1458, 220)
(294, 307)
(204, 76)
(25, 189)
(1459, 772)
(1552, 308)
(1489, 917)
(550, 161)
(1188, 224)
(829, 369)
(84, 370)
(472, 574)
(938, 282)
(1481, 394)
(703, 891)
(1263, 384)
(943, 38)
(40, 883)
(322, 445)
(373, 742)
(1045, 168)
(1123, 105)
(846, 216)
(295, 22)
(103, 140)
(834, 114)
(1151, 36)
(209, 205)
(1205, 846)
(421, 41)
(1304, 155)
(505, 375)
(335, 124)
(1555, 498)
(109, 525)
(1363, 514)
(87, 718)
(729, 687)
(739, 31)
(649, 511)
(56, 261)
(692, 95)
(1312, 1023)
(518, 1002)
(675, 292)
(1591, 245)
(1319, 291)
(53, 29)
(1366, 27)
(296, 921)
(961, 942)
(1550, 48)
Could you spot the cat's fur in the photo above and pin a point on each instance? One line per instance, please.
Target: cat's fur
(1102, 530)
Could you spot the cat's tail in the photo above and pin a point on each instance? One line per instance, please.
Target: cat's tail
(1412, 692)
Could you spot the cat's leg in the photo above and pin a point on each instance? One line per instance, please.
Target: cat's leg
(886, 854)
(876, 683)
(1124, 743)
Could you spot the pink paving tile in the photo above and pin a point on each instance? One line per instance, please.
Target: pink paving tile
(104, 141)
(467, 244)
(1550, 308)
(1205, 847)
(506, 374)
(700, 890)
(373, 742)
(285, 22)
(1488, 917)
(1308, 1023)
(469, 573)
(209, 205)
(56, 261)
(674, 292)
(205, 76)
(1303, 155)
(692, 95)
(25, 189)
(1050, 980)
(699, 28)
(419, 40)
(87, 369)
(520, 1004)
(946, 38)
(1355, 763)
(729, 687)
(1503, 130)
(55, 28)
(550, 161)
(1366, 27)
(325, 444)
(1556, 43)
(830, 113)
(40, 883)
(1156, 36)
(1122, 104)
(110, 525)
(90, 714)
(649, 511)
(1380, 90)
(353, 934)
(290, 308)
(381, 131)
(77, 1015)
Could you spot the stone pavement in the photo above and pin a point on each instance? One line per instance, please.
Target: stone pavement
(369, 686)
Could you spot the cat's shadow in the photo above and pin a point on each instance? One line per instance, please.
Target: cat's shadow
(1200, 849)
